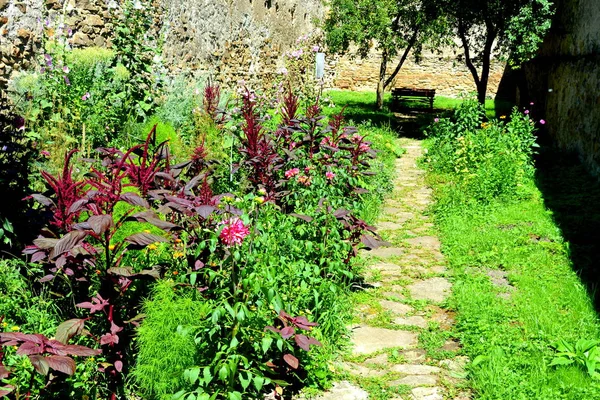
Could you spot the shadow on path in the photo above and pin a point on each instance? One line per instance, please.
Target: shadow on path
(573, 195)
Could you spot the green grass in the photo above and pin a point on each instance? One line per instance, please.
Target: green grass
(511, 330)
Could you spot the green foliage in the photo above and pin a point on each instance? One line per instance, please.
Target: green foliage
(135, 45)
(486, 160)
(585, 353)
(512, 29)
(166, 338)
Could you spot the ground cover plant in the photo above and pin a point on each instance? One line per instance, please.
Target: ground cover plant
(523, 316)
(253, 252)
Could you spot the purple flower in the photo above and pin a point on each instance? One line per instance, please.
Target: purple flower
(316, 48)
(86, 96)
(531, 103)
(526, 112)
(542, 121)
(67, 81)
(436, 120)
(66, 69)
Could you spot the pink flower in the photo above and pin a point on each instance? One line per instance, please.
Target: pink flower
(233, 232)
(45, 153)
(436, 120)
(315, 48)
(329, 175)
(364, 147)
(306, 170)
(542, 121)
(531, 103)
(86, 96)
(66, 69)
(292, 172)
(356, 138)
(283, 71)
(526, 112)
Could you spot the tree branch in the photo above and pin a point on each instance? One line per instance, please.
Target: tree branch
(463, 37)
(409, 47)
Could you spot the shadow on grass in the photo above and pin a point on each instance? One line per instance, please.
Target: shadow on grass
(573, 196)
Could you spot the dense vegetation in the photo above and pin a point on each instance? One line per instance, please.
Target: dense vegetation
(523, 316)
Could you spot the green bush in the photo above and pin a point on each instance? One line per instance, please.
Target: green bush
(166, 339)
(487, 160)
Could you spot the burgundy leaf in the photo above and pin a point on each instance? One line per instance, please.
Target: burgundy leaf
(291, 361)
(45, 243)
(67, 242)
(114, 328)
(77, 350)
(287, 332)
(303, 323)
(119, 365)
(40, 364)
(121, 271)
(302, 217)
(109, 338)
(63, 364)
(4, 373)
(144, 239)
(371, 242)
(134, 200)
(97, 304)
(42, 200)
(101, 223)
(304, 342)
(78, 205)
(272, 329)
(360, 190)
(38, 256)
(28, 348)
(341, 213)
(205, 211)
(5, 390)
(68, 329)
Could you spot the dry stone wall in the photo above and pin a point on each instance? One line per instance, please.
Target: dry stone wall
(229, 40)
(564, 80)
(435, 70)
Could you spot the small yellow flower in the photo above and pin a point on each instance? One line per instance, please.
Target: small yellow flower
(147, 230)
(4, 324)
(259, 199)
(15, 328)
(279, 390)
(152, 246)
(503, 117)
(175, 272)
(111, 247)
(178, 254)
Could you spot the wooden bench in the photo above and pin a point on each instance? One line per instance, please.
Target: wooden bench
(420, 94)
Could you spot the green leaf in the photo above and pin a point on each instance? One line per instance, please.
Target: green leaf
(266, 344)
(561, 361)
(259, 382)
(235, 396)
(223, 373)
(245, 382)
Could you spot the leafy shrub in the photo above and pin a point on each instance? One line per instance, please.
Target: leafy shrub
(486, 159)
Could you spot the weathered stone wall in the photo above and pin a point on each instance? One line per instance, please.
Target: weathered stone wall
(230, 39)
(564, 79)
(22, 24)
(435, 70)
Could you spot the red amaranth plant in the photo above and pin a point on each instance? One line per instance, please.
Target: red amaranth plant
(210, 102)
(68, 191)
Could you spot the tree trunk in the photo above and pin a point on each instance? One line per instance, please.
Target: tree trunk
(381, 81)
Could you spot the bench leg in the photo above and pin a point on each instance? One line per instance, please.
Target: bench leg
(431, 103)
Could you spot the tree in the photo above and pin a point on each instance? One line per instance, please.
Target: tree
(389, 25)
(512, 29)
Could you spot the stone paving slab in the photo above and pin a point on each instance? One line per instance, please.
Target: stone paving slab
(367, 340)
(433, 289)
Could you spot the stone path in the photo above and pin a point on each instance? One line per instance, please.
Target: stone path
(402, 342)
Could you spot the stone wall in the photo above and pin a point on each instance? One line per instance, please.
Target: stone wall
(227, 39)
(22, 24)
(435, 70)
(230, 39)
(564, 80)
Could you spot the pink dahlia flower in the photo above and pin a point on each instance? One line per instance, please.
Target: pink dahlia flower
(233, 232)
(292, 172)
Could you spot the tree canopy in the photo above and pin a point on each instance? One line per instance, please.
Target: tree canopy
(511, 29)
(392, 27)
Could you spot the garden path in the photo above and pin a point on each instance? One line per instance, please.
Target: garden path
(402, 340)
